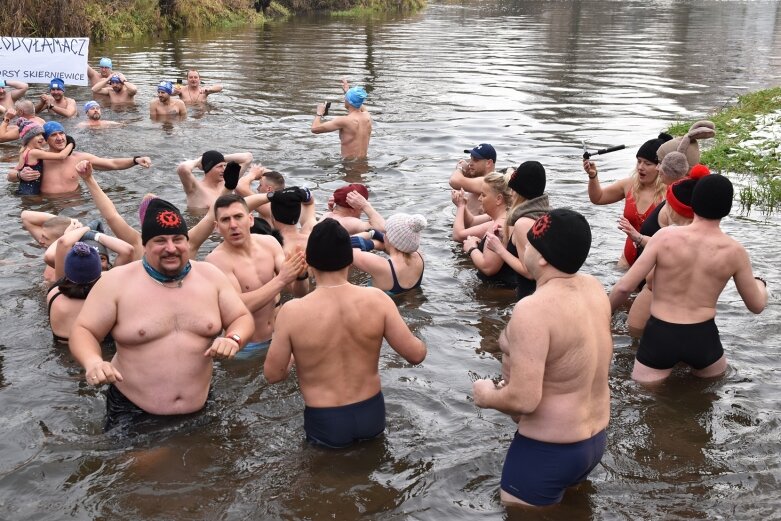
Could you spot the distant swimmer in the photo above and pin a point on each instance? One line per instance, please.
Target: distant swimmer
(255, 265)
(194, 93)
(355, 128)
(201, 193)
(55, 101)
(336, 343)
(105, 70)
(692, 265)
(117, 88)
(556, 354)
(167, 315)
(165, 104)
(94, 117)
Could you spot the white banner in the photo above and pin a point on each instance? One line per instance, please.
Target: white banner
(38, 60)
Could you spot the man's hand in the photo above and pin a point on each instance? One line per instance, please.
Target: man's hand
(458, 197)
(84, 169)
(29, 174)
(345, 84)
(144, 161)
(293, 267)
(9, 114)
(356, 200)
(481, 390)
(470, 242)
(103, 373)
(222, 347)
(47, 100)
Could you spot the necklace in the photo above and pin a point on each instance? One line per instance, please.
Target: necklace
(165, 279)
(335, 285)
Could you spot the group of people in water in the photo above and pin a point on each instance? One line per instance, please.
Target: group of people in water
(168, 316)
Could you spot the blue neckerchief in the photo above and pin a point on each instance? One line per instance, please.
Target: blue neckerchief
(159, 277)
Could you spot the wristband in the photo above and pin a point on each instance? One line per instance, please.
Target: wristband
(305, 276)
(763, 281)
(97, 237)
(592, 176)
(235, 337)
(135, 159)
(470, 250)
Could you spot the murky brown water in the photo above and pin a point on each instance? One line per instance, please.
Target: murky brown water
(533, 78)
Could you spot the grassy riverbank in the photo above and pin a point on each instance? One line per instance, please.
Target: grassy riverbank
(106, 19)
(748, 143)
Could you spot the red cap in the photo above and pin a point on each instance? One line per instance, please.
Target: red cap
(340, 195)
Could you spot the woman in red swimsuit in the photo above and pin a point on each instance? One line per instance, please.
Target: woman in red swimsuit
(641, 192)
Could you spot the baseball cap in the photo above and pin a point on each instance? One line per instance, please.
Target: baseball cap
(483, 151)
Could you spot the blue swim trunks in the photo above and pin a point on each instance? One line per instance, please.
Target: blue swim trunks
(539, 472)
(340, 427)
(252, 349)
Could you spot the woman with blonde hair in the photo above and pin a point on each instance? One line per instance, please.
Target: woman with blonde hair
(642, 191)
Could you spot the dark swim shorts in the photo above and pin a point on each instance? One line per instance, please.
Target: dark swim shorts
(340, 427)
(664, 344)
(121, 412)
(539, 472)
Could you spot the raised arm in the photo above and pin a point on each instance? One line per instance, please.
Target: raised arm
(359, 202)
(398, 334)
(20, 88)
(598, 195)
(242, 158)
(244, 187)
(101, 87)
(320, 127)
(459, 181)
(186, 176)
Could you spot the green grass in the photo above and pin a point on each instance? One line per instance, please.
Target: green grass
(760, 165)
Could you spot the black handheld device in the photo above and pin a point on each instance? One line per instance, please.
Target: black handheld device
(327, 106)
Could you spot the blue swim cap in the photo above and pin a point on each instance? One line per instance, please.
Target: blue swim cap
(2, 84)
(91, 105)
(355, 96)
(165, 86)
(105, 62)
(115, 79)
(57, 83)
(52, 127)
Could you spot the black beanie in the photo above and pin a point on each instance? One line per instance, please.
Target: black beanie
(648, 149)
(210, 158)
(563, 238)
(329, 247)
(286, 204)
(712, 197)
(162, 218)
(528, 179)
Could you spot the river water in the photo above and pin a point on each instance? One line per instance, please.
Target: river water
(532, 78)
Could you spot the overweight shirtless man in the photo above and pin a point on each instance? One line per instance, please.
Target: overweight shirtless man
(202, 193)
(355, 129)
(255, 265)
(336, 344)
(60, 175)
(556, 354)
(166, 314)
(692, 265)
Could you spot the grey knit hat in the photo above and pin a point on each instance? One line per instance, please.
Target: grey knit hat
(402, 231)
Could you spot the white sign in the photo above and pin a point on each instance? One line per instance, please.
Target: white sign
(38, 60)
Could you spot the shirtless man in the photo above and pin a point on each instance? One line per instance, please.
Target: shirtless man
(337, 354)
(468, 175)
(60, 175)
(202, 193)
(104, 71)
(23, 108)
(117, 88)
(165, 105)
(255, 265)
(692, 265)
(55, 101)
(193, 93)
(355, 128)
(92, 111)
(349, 202)
(270, 181)
(165, 314)
(46, 228)
(10, 91)
(556, 354)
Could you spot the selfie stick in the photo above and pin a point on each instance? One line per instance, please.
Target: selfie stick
(587, 154)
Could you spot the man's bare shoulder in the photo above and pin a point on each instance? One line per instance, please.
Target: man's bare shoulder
(267, 241)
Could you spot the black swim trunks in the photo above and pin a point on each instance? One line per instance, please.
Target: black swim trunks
(121, 412)
(664, 344)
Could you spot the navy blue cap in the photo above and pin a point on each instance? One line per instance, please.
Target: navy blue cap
(483, 151)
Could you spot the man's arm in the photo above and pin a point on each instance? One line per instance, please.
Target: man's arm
(242, 158)
(458, 181)
(118, 163)
(213, 89)
(132, 90)
(236, 319)
(95, 321)
(32, 221)
(101, 87)
(398, 334)
(20, 88)
(8, 132)
(752, 291)
(93, 76)
(320, 127)
(244, 188)
(68, 111)
(528, 341)
(639, 270)
(359, 202)
(186, 176)
(277, 365)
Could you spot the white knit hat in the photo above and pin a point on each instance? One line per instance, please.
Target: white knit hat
(402, 231)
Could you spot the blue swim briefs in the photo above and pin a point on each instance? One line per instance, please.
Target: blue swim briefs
(340, 427)
(252, 349)
(538, 472)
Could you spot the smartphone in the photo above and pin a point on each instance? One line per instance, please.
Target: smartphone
(327, 106)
